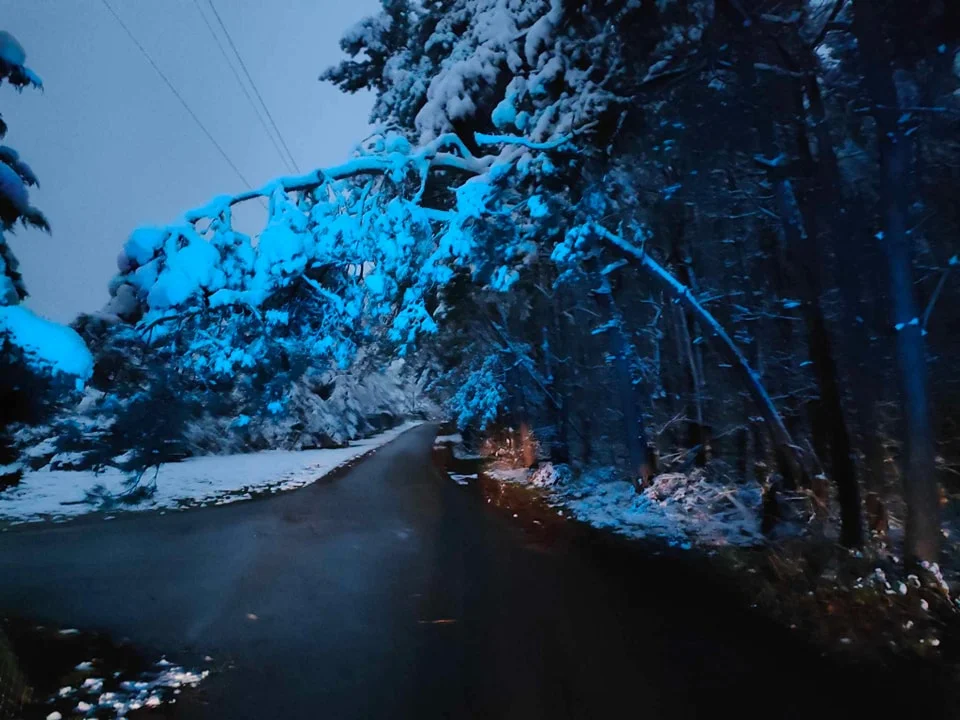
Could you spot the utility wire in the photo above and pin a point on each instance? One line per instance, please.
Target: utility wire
(178, 96)
(243, 86)
(246, 72)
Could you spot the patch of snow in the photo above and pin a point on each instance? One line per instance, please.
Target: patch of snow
(934, 569)
(44, 448)
(220, 479)
(462, 479)
(549, 474)
(504, 474)
(12, 189)
(537, 207)
(46, 344)
(152, 689)
(143, 244)
(461, 453)
(11, 51)
(683, 509)
(504, 114)
(66, 460)
(93, 685)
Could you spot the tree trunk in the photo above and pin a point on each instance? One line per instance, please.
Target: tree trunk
(896, 154)
(697, 435)
(633, 429)
(804, 250)
(559, 379)
(830, 422)
(834, 221)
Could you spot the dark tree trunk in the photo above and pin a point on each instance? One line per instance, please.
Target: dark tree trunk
(805, 250)
(833, 217)
(896, 156)
(555, 344)
(830, 427)
(633, 429)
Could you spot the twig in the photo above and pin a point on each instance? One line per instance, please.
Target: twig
(933, 300)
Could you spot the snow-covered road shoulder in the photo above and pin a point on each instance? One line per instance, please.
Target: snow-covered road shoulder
(60, 495)
(682, 509)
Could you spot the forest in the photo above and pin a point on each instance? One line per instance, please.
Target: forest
(697, 254)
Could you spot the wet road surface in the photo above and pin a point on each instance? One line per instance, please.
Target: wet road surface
(392, 592)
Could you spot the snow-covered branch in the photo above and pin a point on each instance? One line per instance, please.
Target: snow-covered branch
(395, 164)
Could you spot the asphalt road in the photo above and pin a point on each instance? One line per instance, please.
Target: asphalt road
(392, 592)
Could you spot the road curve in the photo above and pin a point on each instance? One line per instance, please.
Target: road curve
(392, 592)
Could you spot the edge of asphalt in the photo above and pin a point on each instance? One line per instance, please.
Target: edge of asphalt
(122, 514)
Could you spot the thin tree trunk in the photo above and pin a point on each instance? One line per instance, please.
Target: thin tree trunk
(697, 438)
(634, 430)
(831, 425)
(559, 381)
(695, 360)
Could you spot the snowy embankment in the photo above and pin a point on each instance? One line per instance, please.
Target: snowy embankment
(207, 480)
(685, 509)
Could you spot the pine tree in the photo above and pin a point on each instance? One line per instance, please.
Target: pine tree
(39, 361)
(15, 175)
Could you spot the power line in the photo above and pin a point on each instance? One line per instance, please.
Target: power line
(236, 75)
(246, 72)
(178, 96)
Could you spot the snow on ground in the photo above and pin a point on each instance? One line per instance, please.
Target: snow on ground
(460, 452)
(461, 479)
(504, 474)
(683, 509)
(151, 690)
(211, 479)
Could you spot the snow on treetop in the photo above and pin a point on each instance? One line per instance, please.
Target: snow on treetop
(11, 51)
(479, 57)
(46, 344)
(143, 243)
(187, 268)
(13, 190)
(12, 59)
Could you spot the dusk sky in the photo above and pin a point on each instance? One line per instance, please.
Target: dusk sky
(115, 149)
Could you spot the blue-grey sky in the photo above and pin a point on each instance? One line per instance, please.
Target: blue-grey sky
(114, 149)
